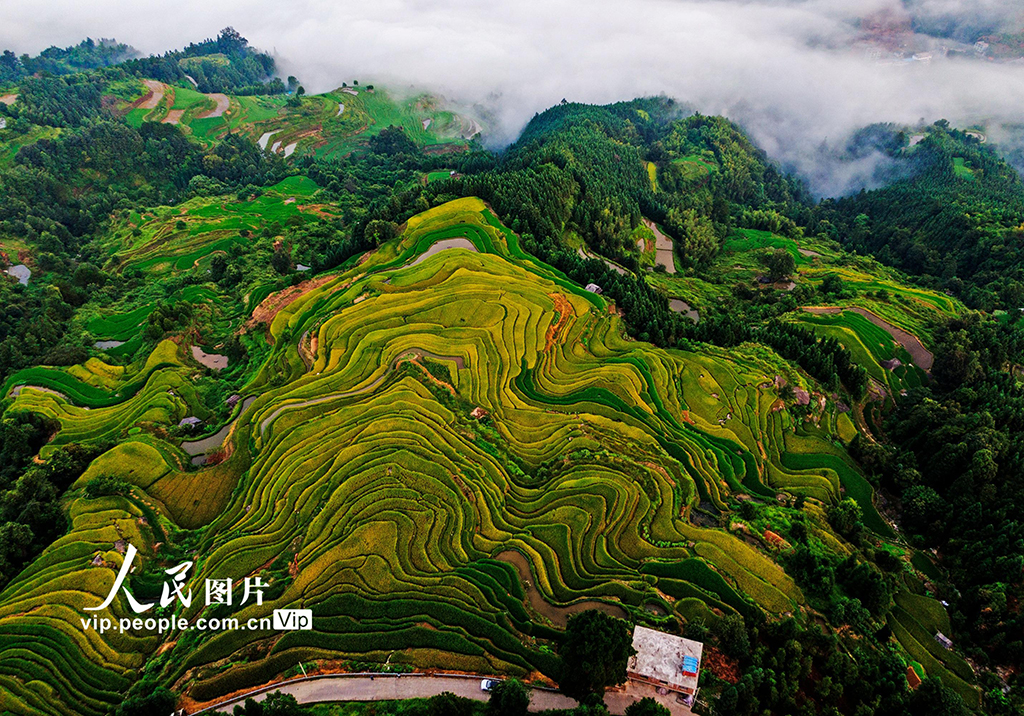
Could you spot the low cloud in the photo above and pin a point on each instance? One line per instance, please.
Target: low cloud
(796, 74)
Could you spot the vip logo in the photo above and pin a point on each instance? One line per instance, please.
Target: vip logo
(293, 619)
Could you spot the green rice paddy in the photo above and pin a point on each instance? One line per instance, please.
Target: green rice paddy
(360, 484)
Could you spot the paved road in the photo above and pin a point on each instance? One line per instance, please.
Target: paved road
(393, 687)
(390, 687)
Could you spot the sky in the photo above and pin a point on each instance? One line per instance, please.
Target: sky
(792, 72)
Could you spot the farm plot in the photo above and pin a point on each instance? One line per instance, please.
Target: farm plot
(319, 127)
(871, 346)
(442, 403)
(394, 501)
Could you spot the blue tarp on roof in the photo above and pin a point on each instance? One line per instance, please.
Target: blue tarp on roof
(690, 664)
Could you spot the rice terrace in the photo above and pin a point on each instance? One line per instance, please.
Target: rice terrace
(325, 403)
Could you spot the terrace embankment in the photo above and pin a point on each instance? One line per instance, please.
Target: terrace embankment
(558, 616)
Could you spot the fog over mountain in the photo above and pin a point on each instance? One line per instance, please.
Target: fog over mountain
(796, 74)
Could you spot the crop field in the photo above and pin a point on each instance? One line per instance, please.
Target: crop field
(962, 170)
(167, 241)
(359, 482)
(48, 663)
(870, 345)
(343, 120)
(914, 620)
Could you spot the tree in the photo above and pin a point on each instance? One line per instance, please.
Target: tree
(378, 232)
(144, 700)
(934, 699)
(779, 263)
(846, 517)
(448, 704)
(281, 261)
(594, 651)
(647, 707)
(391, 141)
(509, 698)
(832, 285)
(278, 704)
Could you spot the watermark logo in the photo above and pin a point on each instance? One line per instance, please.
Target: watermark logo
(215, 591)
(293, 619)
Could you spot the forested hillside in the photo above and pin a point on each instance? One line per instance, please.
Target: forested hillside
(955, 220)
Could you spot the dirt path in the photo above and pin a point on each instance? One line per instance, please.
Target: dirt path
(156, 93)
(223, 103)
(585, 254)
(662, 248)
(325, 688)
(922, 357)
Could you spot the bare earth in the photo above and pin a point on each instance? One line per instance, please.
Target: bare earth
(223, 102)
(173, 116)
(156, 90)
(662, 246)
(8, 99)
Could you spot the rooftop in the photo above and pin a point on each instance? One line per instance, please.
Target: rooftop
(665, 658)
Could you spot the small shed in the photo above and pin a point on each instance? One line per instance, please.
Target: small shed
(190, 421)
(594, 288)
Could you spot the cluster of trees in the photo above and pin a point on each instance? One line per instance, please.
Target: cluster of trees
(224, 64)
(86, 55)
(955, 457)
(71, 101)
(59, 192)
(31, 516)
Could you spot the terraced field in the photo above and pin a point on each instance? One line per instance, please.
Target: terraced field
(424, 416)
(343, 120)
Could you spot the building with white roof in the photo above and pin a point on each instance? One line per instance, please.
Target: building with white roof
(665, 660)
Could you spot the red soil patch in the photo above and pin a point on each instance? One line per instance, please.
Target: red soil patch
(687, 418)
(565, 309)
(269, 307)
(720, 665)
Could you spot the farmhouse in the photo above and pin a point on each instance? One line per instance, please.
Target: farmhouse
(665, 660)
